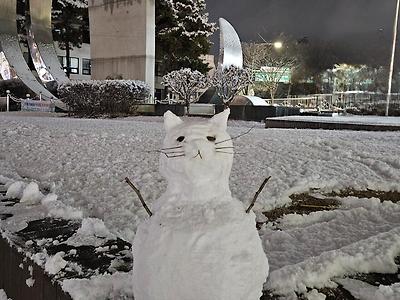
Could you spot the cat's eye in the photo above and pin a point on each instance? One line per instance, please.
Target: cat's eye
(180, 139)
(211, 138)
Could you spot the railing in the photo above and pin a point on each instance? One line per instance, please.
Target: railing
(339, 101)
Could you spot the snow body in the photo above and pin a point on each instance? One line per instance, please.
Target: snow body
(199, 243)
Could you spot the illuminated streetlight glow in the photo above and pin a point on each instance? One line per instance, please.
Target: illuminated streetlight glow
(278, 45)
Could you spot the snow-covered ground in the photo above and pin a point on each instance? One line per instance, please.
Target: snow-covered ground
(84, 162)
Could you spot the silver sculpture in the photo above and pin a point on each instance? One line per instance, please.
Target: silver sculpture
(43, 73)
(10, 44)
(42, 48)
(6, 72)
(230, 50)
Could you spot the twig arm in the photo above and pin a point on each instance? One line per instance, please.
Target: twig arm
(139, 195)
(256, 194)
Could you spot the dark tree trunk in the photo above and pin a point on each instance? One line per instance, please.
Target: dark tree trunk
(68, 58)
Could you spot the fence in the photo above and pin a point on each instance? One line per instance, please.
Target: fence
(11, 103)
(354, 101)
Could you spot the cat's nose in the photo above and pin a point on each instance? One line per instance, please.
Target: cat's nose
(195, 149)
(198, 155)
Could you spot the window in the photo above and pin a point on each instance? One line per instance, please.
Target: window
(74, 68)
(86, 66)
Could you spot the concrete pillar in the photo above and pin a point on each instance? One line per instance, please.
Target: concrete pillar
(122, 39)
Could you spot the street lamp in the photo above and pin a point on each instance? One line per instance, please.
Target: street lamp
(392, 58)
(276, 44)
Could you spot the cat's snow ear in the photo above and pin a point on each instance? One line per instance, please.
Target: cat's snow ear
(221, 119)
(171, 120)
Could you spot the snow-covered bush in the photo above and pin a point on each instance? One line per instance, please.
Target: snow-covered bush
(103, 97)
(230, 81)
(186, 84)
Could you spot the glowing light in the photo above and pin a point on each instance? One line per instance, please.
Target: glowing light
(278, 45)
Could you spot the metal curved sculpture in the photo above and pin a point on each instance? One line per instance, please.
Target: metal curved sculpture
(40, 12)
(6, 72)
(12, 50)
(42, 71)
(230, 50)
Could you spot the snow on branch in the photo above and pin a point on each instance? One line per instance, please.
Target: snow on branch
(230, 81)
(101, 97)
(76, 3)
(186, 84)
(190, 18)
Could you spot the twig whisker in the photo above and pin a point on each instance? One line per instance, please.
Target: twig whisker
(172, 152)
(173, 156)
(171, 148)
(224, 152)
(151, 151)
(235, 137)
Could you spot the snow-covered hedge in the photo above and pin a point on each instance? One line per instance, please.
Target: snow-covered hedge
(103, 97)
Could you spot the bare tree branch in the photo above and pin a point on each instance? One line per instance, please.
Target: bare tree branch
(230, 81)
(139, 195)
(186, 84)
(257, 193)
(268, 64)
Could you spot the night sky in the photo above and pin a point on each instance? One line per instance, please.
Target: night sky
(359, 31)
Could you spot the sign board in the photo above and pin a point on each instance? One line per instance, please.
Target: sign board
(282, 75)
(36, 105)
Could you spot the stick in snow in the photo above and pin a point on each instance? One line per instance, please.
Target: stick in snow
(257, 193)
(139, 195)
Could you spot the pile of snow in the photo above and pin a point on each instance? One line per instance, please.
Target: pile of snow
(31, 194)
(309, 251)
(55, 263)
(3, 295)
(365, 291)
(115, 286)
(15, 190)
(92, 232)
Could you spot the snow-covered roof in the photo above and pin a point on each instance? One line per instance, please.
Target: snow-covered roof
(257, 101)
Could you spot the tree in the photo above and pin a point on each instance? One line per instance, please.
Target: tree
(186, 84)
(349, 77)
(314, 59)
(182, 31)
(71, 26)
(268, 64)
(230, 81)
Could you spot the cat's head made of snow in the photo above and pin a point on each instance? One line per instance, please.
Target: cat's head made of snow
(197, 153)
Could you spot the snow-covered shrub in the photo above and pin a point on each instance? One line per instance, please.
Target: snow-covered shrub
(103, 97)
(230, 81)
(186, 84)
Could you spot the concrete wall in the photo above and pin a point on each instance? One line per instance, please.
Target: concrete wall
(122, 37)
